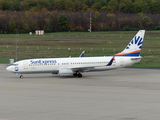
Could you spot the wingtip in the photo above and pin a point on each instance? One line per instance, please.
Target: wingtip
(111, 61)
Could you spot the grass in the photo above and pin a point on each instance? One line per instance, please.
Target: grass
(65, 44)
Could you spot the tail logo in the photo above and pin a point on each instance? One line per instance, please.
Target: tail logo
(136, 42)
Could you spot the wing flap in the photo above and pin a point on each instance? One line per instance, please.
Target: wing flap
(82, 68)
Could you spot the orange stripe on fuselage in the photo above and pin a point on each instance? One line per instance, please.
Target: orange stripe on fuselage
(128, 53)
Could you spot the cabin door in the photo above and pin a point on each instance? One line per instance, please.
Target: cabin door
(121, 61)
(25, 65)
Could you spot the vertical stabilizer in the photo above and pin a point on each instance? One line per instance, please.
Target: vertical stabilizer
(135, 45)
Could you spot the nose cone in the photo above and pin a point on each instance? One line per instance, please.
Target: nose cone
(9, 68)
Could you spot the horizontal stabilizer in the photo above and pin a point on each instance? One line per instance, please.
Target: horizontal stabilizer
(138, 58)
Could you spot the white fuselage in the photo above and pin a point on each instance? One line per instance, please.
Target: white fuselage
(83, 64)
(74, 66)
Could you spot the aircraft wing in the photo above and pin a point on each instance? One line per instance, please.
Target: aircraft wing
(82, 54)
(88, 68)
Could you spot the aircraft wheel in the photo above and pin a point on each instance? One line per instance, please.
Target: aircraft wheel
(75, 74)
(79, 75)
(21, 76)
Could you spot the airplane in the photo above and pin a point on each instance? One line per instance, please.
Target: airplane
(74, 66)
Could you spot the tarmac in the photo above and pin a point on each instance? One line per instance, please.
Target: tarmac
(121, 94)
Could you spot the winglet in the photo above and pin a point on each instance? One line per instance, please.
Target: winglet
(82, 54)
(111, 61)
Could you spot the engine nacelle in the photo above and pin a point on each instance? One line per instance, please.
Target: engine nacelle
(65, 72)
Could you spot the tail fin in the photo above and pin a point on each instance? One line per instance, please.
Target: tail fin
(135, 45)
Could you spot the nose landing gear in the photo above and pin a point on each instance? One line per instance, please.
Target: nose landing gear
(21, 76)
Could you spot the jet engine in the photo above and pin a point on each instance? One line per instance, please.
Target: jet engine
(65, 72)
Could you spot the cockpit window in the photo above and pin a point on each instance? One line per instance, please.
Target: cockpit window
(14, 64)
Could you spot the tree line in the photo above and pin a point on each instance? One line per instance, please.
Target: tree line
(54, 21)
(23, 16)
(126, 6)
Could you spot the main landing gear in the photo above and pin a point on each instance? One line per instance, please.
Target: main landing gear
(77, 74)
